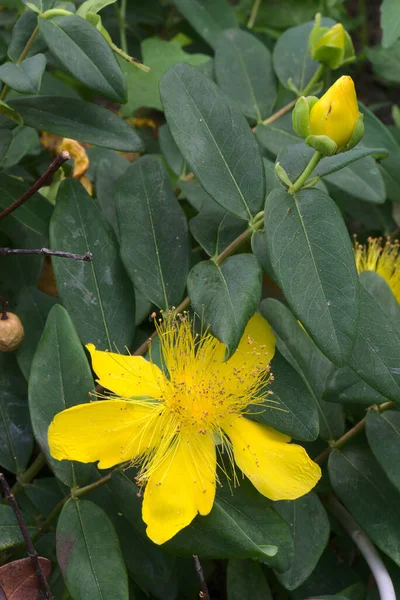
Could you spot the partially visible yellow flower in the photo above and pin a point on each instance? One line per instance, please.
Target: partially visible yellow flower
(175, 426)
(381, 257)
(336, 113)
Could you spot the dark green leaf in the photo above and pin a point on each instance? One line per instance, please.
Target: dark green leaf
(363, 178)
(16, 440)
(310, 528)
(377, 286)
(363, 487)
(93, 6)
(89, 554)
(226, 296)
(79, 120)
(390, 22)
(208, 17)
(304, 356)
(24, 141)
(32, 308)
(215, 139)
(170, 150)
(21, 33)
(243, 67)
(153, 232)
(159, 55)
(83, 51)
(246, 579)
(277, 135)
(10, 113)
(346, 386)
(240, 524)
(45, 494)
(97, 294)
(26, 76)
(10, 533)
(289, 406)
(60, 378)
(328, 305)
(375, 355)
(292, 59)
(383, 433)
(5, 141)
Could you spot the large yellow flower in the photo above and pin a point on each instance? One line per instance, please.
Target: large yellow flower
(173, 426)
(382, 257)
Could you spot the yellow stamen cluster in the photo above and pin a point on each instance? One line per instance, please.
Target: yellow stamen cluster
(382, 256)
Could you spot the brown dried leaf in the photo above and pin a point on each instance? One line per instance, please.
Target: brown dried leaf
(78, 153)
(18, 579)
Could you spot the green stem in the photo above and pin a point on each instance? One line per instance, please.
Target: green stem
(121, 12)
(313, 81)
(21, 57)
(253, 14)
(306, 173)
(30, 473)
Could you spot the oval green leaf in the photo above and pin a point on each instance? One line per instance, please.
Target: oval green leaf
(318, 278)
(215, 139)
(98, 294)
(226, 296)
(153, 232)
(383, 433)
(246, 579)
(208, 17)
(24, 77)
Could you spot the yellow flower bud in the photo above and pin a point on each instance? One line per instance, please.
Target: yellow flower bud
(331, 47)
(336, 113)
(334, 37)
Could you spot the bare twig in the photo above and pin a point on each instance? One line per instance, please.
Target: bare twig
(47, 252)
(43, 180)
(366, 547)
(33, 555)
(204, 594)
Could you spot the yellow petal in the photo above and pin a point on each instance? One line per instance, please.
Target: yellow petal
(279, 470)
(182, 486)
(126, 376)
(110, 431)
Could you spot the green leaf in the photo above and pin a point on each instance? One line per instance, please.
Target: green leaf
(314, 368)
(360, 483)
(97, 294)
(10, 533)
(85, 53)
(378, 287)
(376, 352)
(24, 141)
(170, 150)
(226, 296)
(328, 305)
(213, 227)
(291, 56)
(364, 179)
(390, 22)
(33, 308)
(88, 553)
(60, 378)
(10, 113)
(246, 579)
(243, 68)
(309, 526)
(159, 55)
(345, 386)
(153, 232)
(79, 120)
(16, 440)
(386, 62)
(277, 135)
(5, 141)
(383, 433)
(289, 406)
(241, 523)
(45, 494)
(215, 139)
(26, 76)
(93, 6)
(21, 33)
(377, 134)
(208, 17)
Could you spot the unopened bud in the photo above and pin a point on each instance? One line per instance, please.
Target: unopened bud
(331, 47)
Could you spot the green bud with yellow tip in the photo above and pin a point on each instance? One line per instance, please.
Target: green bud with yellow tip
(331, 47)
(301, 114)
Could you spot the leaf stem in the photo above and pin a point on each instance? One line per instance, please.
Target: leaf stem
(351, 433)
(30, 473)
(298, 184)
(21, 57)
(43, 180)
(313, 81)
(366, 547)
(121, 13)
(253, 14)
(33, 555)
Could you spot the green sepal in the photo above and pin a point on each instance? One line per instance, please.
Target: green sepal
(292, 87)
(331, 56)
(301, 114)
(322, 143)
(311, 182)
(316, 32)
(357, 135)
(282, 175)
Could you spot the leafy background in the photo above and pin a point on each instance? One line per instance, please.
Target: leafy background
(181, 158)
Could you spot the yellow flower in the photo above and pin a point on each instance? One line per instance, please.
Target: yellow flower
(174, 426)
(382, 258)
(336, 113)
